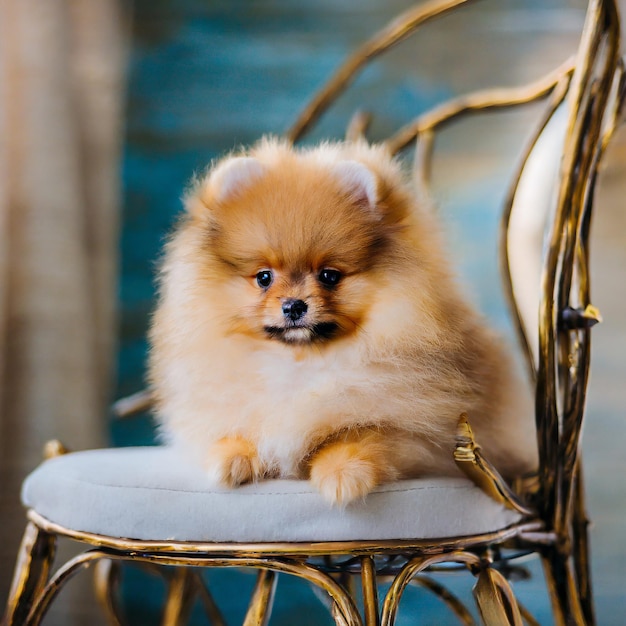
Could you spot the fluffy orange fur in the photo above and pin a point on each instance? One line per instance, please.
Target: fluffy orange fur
(309, 326)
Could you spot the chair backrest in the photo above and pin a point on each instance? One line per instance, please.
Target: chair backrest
(546, 219)
(565, 311)
(530, 208)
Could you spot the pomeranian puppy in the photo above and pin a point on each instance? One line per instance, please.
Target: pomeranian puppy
(309, 327)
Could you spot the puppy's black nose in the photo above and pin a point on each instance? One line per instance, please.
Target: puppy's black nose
(294, 309)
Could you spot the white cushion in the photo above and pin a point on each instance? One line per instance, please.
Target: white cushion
(151, 493)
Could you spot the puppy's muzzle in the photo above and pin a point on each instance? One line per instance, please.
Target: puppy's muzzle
(293, 309)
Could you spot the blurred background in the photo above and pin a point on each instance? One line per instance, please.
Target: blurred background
(107, 109)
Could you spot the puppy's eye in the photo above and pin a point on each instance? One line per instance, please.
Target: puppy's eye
(329, 278)
(264, 278)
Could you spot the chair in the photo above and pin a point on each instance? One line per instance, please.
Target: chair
(113, 501)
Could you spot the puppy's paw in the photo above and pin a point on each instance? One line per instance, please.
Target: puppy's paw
(233, 461)
(344, 472)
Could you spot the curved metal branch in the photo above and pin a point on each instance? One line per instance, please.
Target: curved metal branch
(396, 31)
(358, 125)
(483, 100)
(495, 599)
(58, 580)
(469, 459)
(181, 593)
(131, 405)
(415, 566)
(106, 581)
(34, 560)
(260, 607)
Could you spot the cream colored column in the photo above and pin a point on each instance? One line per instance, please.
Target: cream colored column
(61, 85)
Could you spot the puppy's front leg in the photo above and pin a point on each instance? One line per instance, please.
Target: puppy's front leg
(232, 461)
(348, 468)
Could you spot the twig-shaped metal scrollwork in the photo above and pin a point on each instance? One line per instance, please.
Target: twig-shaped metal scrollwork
(469, 458)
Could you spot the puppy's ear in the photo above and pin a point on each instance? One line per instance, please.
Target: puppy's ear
(227, 179)
(233, 175)
(359, 181)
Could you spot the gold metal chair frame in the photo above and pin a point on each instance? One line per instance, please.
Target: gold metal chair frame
(554, 522)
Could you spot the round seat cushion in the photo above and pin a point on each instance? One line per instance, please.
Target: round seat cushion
(151, 493)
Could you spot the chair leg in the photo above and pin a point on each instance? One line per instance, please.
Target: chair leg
(580, 525)
(370, 591)
(495, 599)
(337, 615)
(211, 609)
(180, 597)
(341, 617)
(260, 607)
(31, 573)
(106, 581)
(583, 577)
(563, 589)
